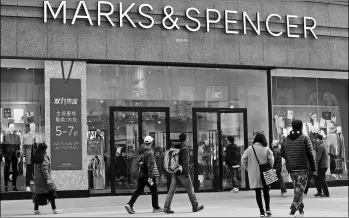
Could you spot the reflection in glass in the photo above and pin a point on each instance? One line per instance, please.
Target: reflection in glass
(126, 149)
(208, 172)
(321, 103)
(179, 88)
(232, 124)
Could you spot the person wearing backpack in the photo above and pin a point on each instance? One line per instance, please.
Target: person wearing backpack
(177, 163)
(147, 175)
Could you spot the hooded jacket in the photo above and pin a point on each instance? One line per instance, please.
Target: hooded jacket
(151, 169)
(183, 158)
(233, 156)
(297, 150)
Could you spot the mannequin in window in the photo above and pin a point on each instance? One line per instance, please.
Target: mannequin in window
(341, 149)
(11, 143)
(30, 142)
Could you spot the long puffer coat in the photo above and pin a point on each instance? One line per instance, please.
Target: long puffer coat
(42, 173)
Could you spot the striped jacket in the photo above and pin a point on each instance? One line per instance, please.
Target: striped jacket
(297, 150)
(151, 169)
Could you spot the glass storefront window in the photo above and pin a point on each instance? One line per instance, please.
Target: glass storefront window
(22, 115)
(178, 88)
(320, 100)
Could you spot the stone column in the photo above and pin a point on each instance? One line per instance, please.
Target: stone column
(68, 179)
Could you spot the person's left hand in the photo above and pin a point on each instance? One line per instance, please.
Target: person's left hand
(150, 181)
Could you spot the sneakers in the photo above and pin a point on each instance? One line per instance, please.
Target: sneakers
(268, 213)
(318, 195)
(37, 212)
(235, 190)
(284, 194)
(159, 210)
(168, 211)
(325, 195)
(129, 209)
(262, 215)
(56, 211)
(296, 214)
(198, 208)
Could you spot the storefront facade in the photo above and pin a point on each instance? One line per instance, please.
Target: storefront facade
(96, 78)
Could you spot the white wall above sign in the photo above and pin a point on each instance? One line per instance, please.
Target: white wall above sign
(170, 21)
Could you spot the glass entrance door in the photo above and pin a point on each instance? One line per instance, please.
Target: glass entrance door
(129, 127)
(211, 128)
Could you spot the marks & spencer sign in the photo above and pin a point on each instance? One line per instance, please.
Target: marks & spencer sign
(170, 21)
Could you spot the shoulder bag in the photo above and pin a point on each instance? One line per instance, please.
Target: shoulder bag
(268, 174)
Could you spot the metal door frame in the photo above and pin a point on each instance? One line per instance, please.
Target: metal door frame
(218, 111)
(139, 110)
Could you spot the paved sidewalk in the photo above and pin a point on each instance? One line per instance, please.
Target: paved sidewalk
(217, 204)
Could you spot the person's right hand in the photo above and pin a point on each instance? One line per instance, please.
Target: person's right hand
(315, 173)
(3, 159)
(24, 160)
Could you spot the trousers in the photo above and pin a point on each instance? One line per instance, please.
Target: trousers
(321, 184)
(12, 160)
(142, 182)
(299, 179)
(186, 182)
(266, 199)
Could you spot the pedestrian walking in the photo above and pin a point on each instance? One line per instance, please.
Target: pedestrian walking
(311, 135)
(232, 161)
(278, 166)
(147, 175)
(45, 189)
(259, 150)
(297, 151)
(322, 165)
(181, 175)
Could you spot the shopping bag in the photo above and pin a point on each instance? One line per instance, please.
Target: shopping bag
(268, 174)
(339, 166)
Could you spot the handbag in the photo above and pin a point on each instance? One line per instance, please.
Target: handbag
(268, 174)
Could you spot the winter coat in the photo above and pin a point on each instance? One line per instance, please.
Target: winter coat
(29, 146)
(151, 169)
(10, 144)
(277, 158)
(298, 153)
(233, 156)
(42, 173)
(321, 155)
(183, 159)
(249, 162)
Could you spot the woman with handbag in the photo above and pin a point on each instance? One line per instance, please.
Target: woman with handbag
(253, 158)
(45, 189)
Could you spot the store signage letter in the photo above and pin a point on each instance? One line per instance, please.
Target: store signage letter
(170, 20)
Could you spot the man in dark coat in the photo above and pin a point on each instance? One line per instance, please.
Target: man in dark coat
(322, 164)
(278, 166)
(232, 160)
(148, 174)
